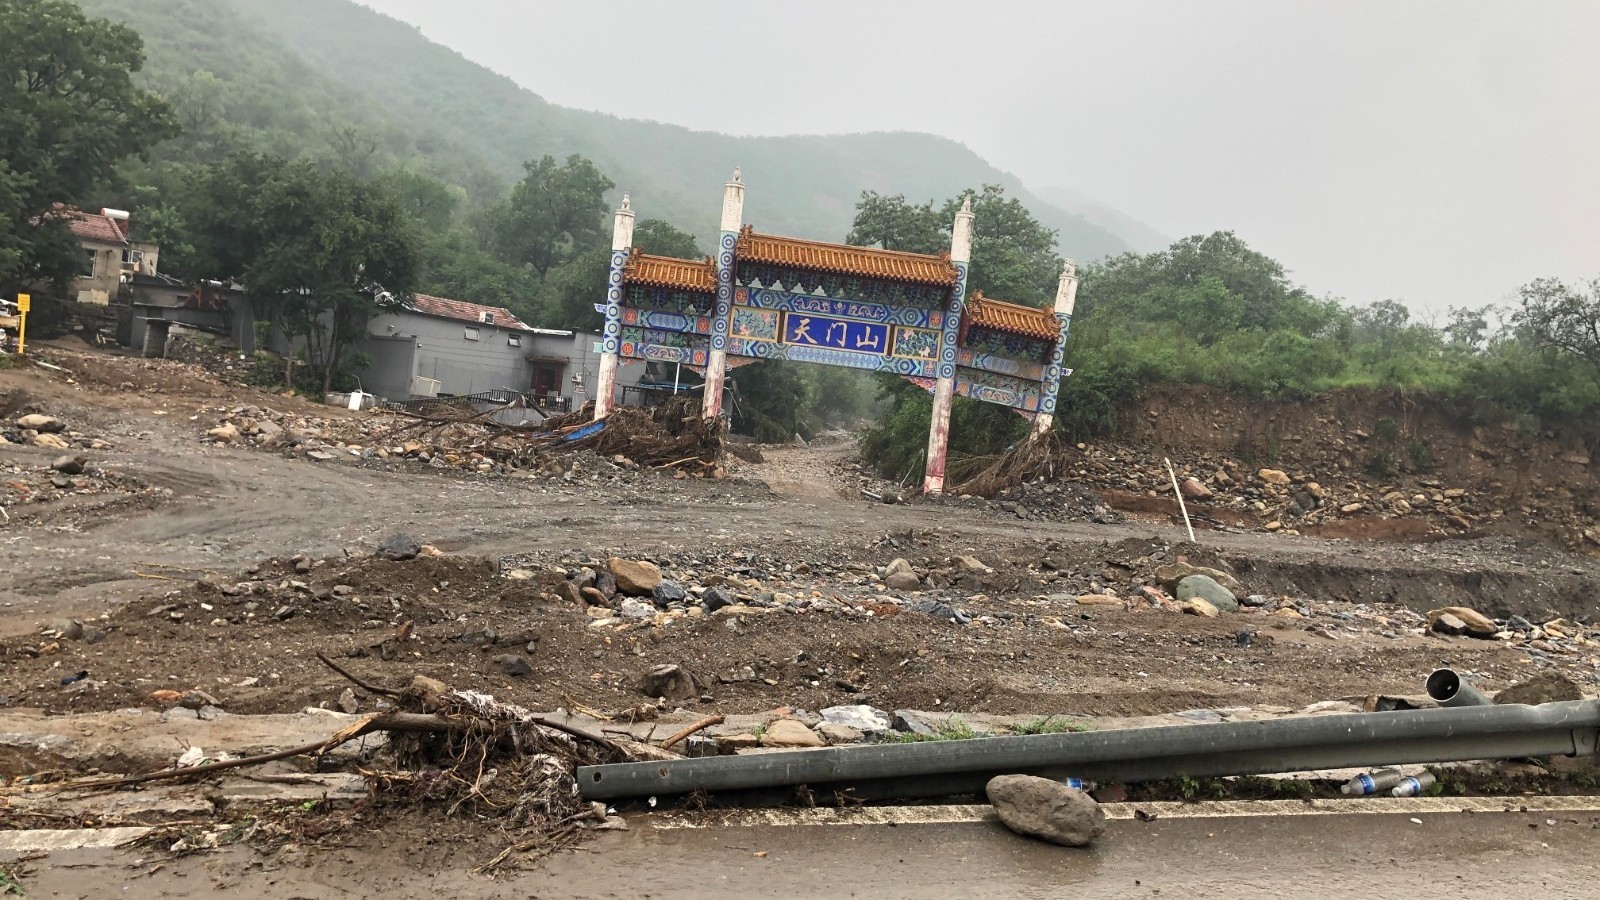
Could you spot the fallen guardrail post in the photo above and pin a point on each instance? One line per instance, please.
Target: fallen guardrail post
(943, 768)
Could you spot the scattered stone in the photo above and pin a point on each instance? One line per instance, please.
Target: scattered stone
(636, 578)
(839, 734)
(1473, 622)
(49, 441)
(1168, 576)
(668, 591)
(41, 424)
(861, 717)
(569, 592)
(1099, 600)
(1197, 606)
(1194, 490)
(789, 733)
(1274, 477)
(635, 609)
(1206, 588)
(972, 564)
(716, 598)
(912, 723)
(902, 581)
(511, 664)
(1551, 687)
(1255, 601)
(399, 547)
(1445, 623)
(68, 465)
(1045, 809)
(347, 702)
(896, 566)
(671, 682)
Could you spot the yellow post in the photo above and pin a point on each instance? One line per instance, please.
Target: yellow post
(24, 303)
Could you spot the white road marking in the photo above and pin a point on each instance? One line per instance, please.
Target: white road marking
(1218, 809)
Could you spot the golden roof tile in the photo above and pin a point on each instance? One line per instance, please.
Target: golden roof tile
(843, 259)
(1012, 318)
(668, 272)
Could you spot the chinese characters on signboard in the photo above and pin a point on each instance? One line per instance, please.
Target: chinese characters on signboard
(807, 330)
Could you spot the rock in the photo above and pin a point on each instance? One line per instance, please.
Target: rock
(897, 566)
(716, 598)
(859, 717)
(972, 564)
(569, 592)
(49, 441)
(1151, 597)
(226, 433)
(1351, 508)
(1472, 622)
(1099, 600)
(912, 722)
(1274, 476)
(839, 734)
(1206, 588)
(512, 664)
(1445, 623)
(668, 592)
(1551, 687)
(902, 581)
(1255, 601)
(399, 547)
(635, 609)
(636, 578)
(938, 610)
(1197, 606)
(347, 702)
(302, 565)
(41, 424)
(790, 733)
(68, 465)
(672, 682)
(1045, 809)
(66, 629)
(1168, 576)
(1194, 490)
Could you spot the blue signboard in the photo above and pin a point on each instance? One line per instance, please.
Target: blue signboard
(807, 330)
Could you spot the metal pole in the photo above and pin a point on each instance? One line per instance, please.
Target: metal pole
(677, 373)
(1448, 689)
(24, 303)
(1129, 755)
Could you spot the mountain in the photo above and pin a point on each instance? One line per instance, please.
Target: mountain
(331, 78)
(1136, 234)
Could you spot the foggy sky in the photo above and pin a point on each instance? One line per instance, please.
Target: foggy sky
(1440, 153)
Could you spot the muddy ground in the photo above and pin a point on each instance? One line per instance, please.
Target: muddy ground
(110, 559)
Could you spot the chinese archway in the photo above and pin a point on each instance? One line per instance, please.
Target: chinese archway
(769, 297)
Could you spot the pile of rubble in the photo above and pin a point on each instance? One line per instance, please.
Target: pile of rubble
(69, 473)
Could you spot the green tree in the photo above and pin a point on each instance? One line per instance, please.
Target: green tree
(894, 224)
(663, 239)
(1563, 318)
(555, 214)
(321, 248)
(69, 112)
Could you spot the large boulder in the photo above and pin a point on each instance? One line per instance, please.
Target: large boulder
(1206, 588)
(1169, 575)
(902, 581)
(1045, 809)
(636, 578)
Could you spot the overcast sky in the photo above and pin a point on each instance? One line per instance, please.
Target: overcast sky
(1440, 153)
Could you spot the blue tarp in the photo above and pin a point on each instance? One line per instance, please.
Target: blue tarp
(589, 430)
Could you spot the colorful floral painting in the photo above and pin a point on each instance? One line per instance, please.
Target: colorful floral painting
(756, 324)
(917, 343)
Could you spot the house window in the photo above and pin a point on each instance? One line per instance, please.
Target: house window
(514, 340)
(472, 334)
(89, 260)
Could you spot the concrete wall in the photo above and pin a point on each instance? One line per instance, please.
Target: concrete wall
(439, 349)
(101, 287)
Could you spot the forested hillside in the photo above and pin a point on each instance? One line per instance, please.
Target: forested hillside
(331, 79)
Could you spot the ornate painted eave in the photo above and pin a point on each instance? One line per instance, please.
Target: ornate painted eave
(843, 259)
(1011, 318)
(699, 276)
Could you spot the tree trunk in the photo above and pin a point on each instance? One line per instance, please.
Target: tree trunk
(331, 357)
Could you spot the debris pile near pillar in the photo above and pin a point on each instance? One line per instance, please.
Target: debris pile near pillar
(670, 435)
(1019, 465)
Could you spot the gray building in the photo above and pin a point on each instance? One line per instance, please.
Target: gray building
(434, 346)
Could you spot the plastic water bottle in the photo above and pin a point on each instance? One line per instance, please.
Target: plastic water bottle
(1379, 780)
(1414, 786)
(1078, 784)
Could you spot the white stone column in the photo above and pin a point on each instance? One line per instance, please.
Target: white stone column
(944, 386)
(605, 388)
(717, 362)
(1066, 299)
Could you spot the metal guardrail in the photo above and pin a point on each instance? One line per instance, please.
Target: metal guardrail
(1129, 755)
